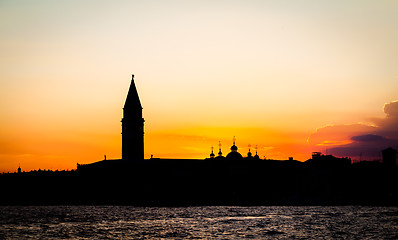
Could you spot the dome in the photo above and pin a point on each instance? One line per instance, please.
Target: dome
(249, 154)
(212, 155)
(234, 156)
(234, 148)
(219, 153)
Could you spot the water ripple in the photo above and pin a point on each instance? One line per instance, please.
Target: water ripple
(124, 222)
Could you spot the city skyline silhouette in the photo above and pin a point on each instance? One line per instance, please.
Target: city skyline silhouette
(233, 179)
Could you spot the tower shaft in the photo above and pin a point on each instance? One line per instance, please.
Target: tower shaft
(132, 126)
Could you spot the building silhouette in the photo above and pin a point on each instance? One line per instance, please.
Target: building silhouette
(132, 126)
(319, 160)
(389, 157)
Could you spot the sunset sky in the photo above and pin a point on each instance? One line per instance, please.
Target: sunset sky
(291, 77)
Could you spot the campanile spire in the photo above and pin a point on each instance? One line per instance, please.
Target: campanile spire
(132, 126)
(132, 101)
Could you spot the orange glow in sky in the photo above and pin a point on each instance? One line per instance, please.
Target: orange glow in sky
(274, 74)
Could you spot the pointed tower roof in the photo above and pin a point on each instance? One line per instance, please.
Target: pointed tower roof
(132, 100)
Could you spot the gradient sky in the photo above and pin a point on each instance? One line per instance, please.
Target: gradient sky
(289, 76)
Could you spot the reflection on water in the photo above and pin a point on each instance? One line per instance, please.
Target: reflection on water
(61, 222)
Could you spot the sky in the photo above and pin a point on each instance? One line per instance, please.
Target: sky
(290, 77)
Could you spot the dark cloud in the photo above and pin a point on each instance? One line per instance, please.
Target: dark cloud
(360, 139)
(368, 138)
(367, 151)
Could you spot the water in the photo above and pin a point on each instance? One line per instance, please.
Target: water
(219, 222)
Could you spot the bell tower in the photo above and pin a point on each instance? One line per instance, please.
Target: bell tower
(132, 126)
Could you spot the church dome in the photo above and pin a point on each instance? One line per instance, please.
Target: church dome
(234, 156)
(234, 148)
(249, 154)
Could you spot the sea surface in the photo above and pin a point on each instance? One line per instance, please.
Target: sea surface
(218, 222)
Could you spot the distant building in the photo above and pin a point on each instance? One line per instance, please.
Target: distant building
(250, 156)
(389, 157)
(19, 169)
(319, 160)
(233, 155)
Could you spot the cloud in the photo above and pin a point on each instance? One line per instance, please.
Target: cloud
(368, 138)
(388, 126)
(339, 134)
(391, 109)
(360, 139)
